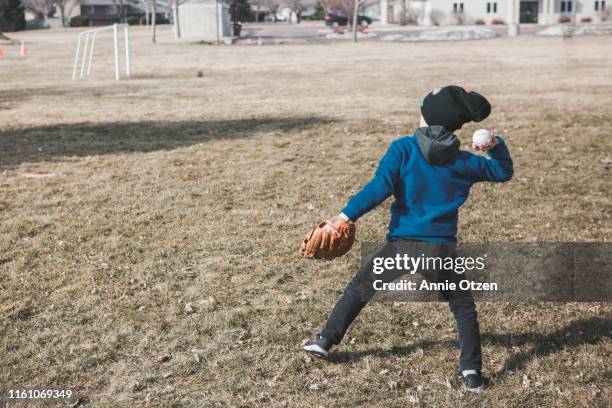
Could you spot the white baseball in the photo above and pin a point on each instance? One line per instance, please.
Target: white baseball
(481, 137)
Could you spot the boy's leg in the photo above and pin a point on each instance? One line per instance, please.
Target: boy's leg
(470, 360)
(357, 294)
(462, 305)
(464, 311)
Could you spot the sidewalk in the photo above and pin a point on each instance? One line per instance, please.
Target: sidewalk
(315, 31)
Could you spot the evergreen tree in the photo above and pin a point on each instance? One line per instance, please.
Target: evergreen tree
(240, 11)
(12, 15)
(319, 13)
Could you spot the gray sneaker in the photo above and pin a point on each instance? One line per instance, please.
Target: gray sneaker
(318, 347)
(474, 382)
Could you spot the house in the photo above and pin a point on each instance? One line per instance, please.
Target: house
(430, 12)
(53, 18)
(105, 12)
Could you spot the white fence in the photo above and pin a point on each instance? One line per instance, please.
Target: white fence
(84, 57)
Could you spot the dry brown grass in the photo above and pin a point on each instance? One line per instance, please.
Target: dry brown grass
(171, 189)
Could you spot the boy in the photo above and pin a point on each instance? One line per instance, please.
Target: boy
(430, 178)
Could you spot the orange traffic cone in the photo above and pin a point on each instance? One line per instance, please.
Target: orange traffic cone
(1, 53)
(23, 51)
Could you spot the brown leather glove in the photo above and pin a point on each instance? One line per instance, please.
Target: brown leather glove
(328, 240)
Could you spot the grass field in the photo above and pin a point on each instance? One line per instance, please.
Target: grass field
(157, 265)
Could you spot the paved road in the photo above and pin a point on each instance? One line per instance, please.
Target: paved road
(312, 30)
(304, 30)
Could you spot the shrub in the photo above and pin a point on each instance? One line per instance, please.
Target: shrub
(564, 19)
(459, 18)
(498, 21)
(79, 21)
(240, 11)
(319, 13)
(604, 15)
(479, 22)
(586, 20)
(436, 16)
(408, 15)
(133, 20)
(142, 20)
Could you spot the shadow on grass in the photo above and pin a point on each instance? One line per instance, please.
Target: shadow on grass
(48, 143)
(9, 98)
(575, 334)
(346, 356)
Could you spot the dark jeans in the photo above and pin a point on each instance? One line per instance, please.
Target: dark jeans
(360, 290)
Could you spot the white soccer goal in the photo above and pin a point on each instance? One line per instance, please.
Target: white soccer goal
(84, 56)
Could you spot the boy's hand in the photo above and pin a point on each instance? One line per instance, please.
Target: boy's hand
(333, 224)
(329, 239)
(490, 144)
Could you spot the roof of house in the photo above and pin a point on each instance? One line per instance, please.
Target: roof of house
(139, 4)
(97, 3)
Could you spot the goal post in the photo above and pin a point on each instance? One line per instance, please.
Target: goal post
(85, 49)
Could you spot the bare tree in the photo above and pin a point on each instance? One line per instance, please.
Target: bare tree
(41, 8)
(154, 22)
(355, 19)
(298, 7)
(459, 17)
(437, 16)
(575, 6)
(122, 8)
(273, 6)
(65, 8)
(408, 14)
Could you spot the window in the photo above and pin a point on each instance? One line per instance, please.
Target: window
(569, 6)
(461, 7)
(454, 7)
(563, 6)
(495, 7)
(458, 8)
(488, 7)
(492, 7)
(111, 10)
(90, 10)
(603, 5)
(596, 5)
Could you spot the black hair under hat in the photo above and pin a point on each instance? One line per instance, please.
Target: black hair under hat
(452, 106)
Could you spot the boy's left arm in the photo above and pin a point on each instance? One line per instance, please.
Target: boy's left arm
(378, 189)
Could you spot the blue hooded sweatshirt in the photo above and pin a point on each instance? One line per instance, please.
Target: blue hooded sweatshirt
(430, 178)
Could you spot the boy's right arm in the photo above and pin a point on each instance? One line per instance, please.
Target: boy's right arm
(379, 188)
(497, 168)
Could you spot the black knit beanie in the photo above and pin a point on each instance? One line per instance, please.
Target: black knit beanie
(452, 106)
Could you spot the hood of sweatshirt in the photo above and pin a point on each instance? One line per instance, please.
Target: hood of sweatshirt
(437, 144)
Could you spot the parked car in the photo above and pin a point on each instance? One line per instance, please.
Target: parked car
(338, 20)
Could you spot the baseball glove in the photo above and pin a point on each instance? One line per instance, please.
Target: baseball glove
(328, 240)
